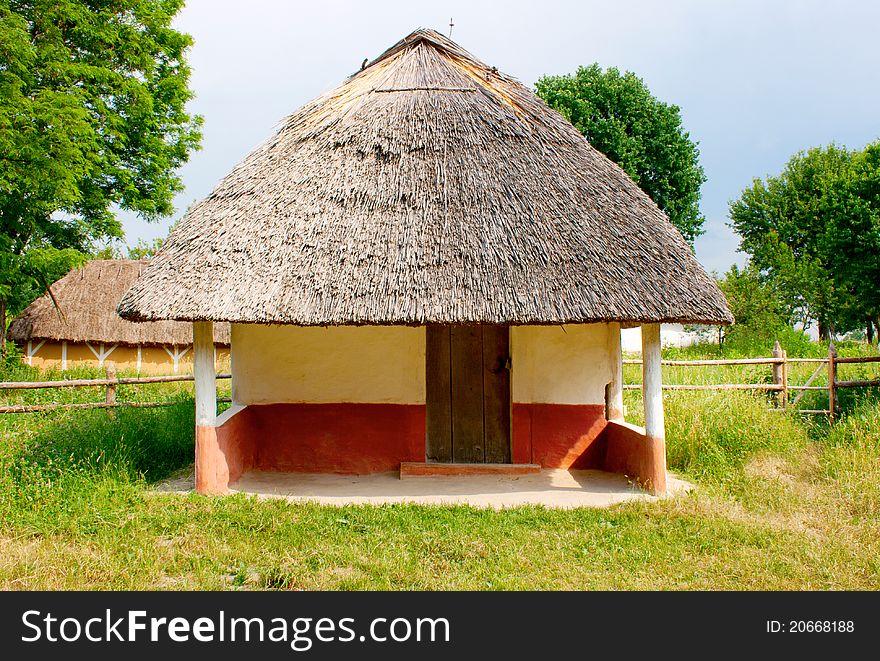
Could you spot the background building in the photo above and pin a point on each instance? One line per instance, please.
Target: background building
(81, 327)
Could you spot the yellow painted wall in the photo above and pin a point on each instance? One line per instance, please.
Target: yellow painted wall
(550, 364)
(560, 365)
(154, 360)
(378, 364)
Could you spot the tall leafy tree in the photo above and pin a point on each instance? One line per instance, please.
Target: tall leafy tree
(814, 230)
(621, 118)
(92, 118)
(852, 243)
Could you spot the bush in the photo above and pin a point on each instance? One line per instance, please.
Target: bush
(797, 343)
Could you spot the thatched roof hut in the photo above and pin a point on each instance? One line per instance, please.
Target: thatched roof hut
(428, 188)
(426, 266)
(86, 311)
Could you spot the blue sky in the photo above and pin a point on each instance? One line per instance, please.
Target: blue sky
(756, 81)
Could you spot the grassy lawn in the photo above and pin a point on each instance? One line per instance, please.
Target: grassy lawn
(781, 502)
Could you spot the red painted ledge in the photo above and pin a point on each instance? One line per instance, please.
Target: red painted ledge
(422, 469)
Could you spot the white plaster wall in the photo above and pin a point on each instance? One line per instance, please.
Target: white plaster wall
(560, 364)
(378, 364)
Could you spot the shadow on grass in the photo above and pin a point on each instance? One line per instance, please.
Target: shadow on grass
(134, 444)
(79, 472)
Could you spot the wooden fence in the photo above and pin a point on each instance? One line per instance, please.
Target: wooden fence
(110, 383)
(780, 363)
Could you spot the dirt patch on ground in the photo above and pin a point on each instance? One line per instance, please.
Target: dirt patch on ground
(769, 467)
(785, 494)
(179, 481)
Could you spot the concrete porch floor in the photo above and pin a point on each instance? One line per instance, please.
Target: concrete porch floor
(556, 488)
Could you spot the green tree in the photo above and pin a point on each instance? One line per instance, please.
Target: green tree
(28, 275)
(92, 117)
(852, 243)
(621, 118)
(143, 249)
(757, 305)
(809, 230)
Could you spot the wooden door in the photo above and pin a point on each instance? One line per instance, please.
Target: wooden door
(468, 394)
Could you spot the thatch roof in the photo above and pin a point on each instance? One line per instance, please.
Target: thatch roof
(86, 311)
(427, 188)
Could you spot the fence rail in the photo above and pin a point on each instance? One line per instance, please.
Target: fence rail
(82, 383)
(724, 361)
(109, 383)
(780, 362)
(38, 408)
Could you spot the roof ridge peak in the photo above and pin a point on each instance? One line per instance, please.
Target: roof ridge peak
(418, 36)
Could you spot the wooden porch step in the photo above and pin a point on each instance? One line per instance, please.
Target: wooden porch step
(423, 469)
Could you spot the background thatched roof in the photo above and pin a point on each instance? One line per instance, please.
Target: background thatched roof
(87, 298)
(427, 188)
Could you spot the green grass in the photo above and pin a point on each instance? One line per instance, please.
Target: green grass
(712, 436)
(781, 502)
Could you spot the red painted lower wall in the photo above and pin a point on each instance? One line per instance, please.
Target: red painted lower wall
(212, 475)
(558, 435)
(224, 452)
(631, 452)
(337, 438)
(237, 442)
(371, 438)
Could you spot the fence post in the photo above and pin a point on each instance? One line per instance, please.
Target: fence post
(832, 381)
(779, 373)
(784, 378)
(111, 387)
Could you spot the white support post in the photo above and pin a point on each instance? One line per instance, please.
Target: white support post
(204, 373)
(32, 350)
(614, 394)
(140, 359)
(64, 355)
(212, 469)
(652, 392)
(652, 380)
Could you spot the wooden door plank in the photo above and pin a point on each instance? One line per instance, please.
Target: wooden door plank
(438, 423)
(466, 344)
(496, 393)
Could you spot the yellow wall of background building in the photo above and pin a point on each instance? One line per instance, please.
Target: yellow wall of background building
(153, 359)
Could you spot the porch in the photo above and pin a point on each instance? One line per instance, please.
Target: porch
(553, 488)
(364, 400)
